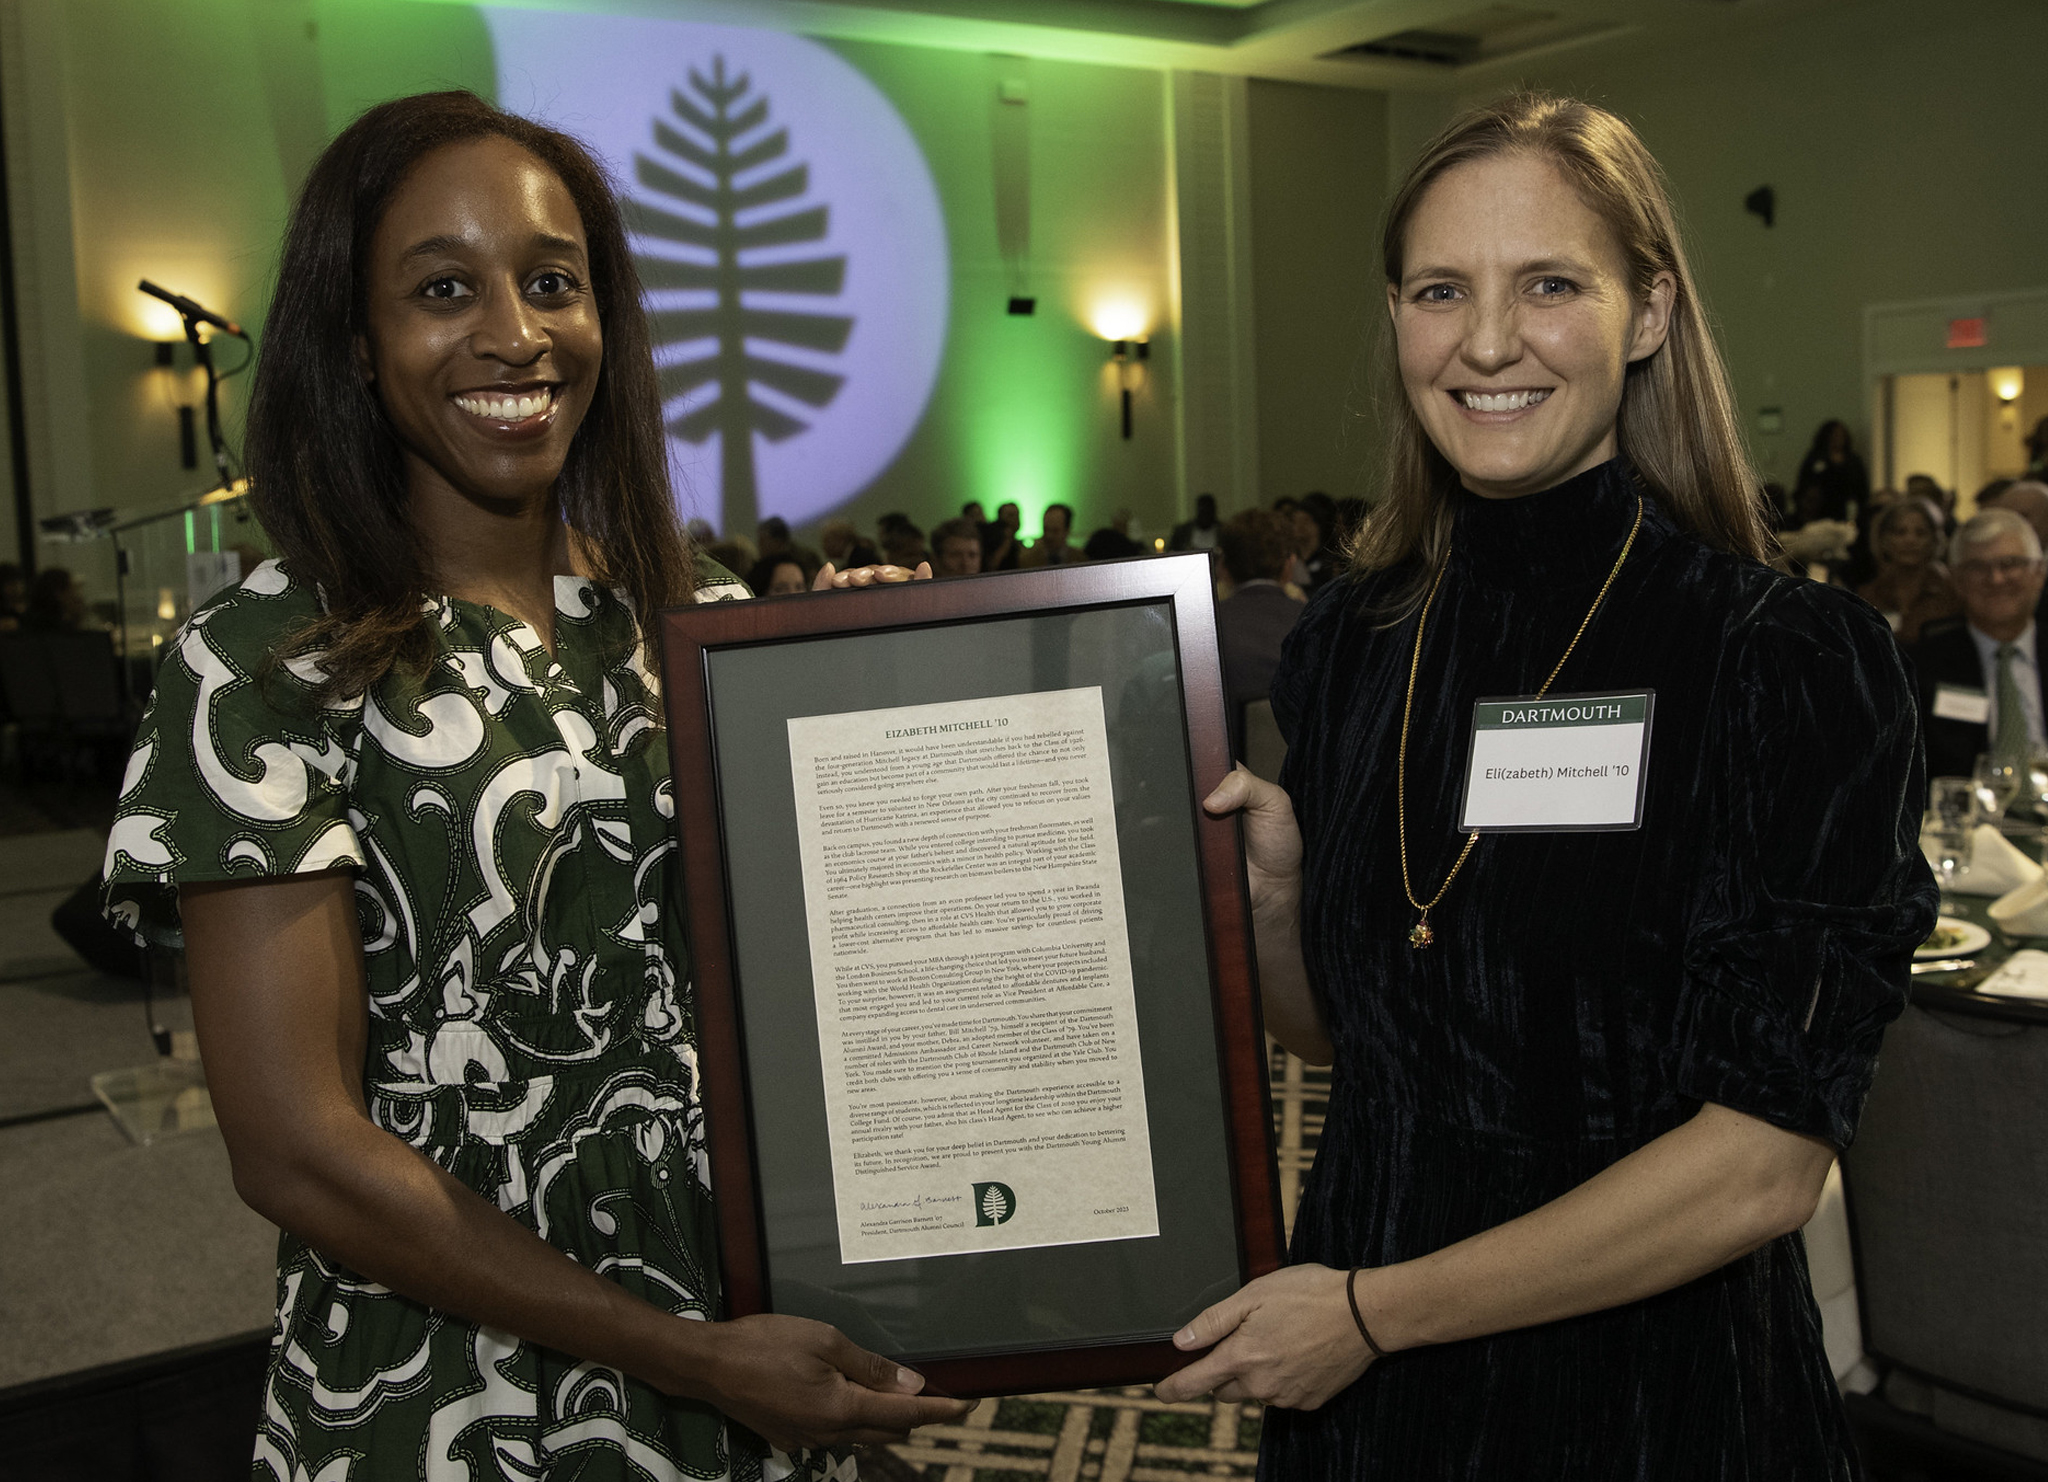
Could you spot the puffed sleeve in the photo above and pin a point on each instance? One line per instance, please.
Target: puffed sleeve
(237, 773)
(1813, 890)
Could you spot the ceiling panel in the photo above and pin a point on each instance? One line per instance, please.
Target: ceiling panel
(1426, 45)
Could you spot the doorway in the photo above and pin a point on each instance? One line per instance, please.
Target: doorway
(1962, 428)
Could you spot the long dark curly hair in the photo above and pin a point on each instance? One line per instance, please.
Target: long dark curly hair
(324, 465)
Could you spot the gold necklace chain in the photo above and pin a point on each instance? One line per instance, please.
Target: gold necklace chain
(1420, 935)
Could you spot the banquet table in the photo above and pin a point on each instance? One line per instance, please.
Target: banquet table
(1956, 991)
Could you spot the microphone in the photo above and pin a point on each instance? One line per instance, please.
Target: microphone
(191, 310)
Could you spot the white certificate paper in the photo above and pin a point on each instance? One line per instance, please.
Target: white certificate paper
(976, 1014)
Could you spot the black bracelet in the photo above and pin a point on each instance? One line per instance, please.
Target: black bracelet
(1351, 1296)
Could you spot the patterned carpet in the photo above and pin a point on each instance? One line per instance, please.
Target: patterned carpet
(1118, 1435)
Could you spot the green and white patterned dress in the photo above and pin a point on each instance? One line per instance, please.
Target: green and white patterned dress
(509, 818)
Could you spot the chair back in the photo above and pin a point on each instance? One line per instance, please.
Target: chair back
(29, 680)
(88, 680)
(60, 679)
(1947, 1186)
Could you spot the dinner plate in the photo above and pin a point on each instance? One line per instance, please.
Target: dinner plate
(1973, 937)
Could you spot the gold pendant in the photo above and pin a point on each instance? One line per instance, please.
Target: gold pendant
(1419, 935)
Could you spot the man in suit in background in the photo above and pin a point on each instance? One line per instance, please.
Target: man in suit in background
(1051, 548)
(1255, 618)
(2027, 498)
(1980, 678)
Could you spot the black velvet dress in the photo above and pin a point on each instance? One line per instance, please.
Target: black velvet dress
(1588, 991)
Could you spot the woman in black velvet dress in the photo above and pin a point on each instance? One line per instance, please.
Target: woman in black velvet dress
(1575, 1124)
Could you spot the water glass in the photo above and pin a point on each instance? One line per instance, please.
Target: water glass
(1947, 845)
(1998, 782)
(2036, 782)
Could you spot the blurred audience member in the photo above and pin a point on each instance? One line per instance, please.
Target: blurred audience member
(1833, 484)
(1254, 619)
(956, 548)
(844, 547)
(13, 597)
(1912, 586)
(1926, 486)
(1980, 679)
(776, 544)
(973, 513)
(771, 537)
(1860, 565)
(1313, 562)
(1113, 541)
(702, 536)
(1051, 548)
(56, 603)
(2028, 498)
(1989, 495)
(1000, 547)
(788, 571)
(782, 576)
(1198, 534)
(2037, 450)
(736, 556)
(903, 545)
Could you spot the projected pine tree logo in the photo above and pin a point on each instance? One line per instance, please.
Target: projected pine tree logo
(722, 167)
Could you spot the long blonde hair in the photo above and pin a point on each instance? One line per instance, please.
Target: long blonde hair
(1677, 424)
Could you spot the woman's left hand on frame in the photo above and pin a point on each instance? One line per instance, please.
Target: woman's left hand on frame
(1284, 1339)
(829, 580)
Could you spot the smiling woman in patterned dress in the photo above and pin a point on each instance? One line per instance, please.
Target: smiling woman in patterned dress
(405, 793)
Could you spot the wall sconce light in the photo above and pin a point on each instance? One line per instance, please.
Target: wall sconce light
(2007, 382)
(1122, 316)
(1128, 357)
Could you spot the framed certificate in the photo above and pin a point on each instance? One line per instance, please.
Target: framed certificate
(983, 1069)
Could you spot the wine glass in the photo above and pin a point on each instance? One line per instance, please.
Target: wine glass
(1997, 779)
(2036, 788)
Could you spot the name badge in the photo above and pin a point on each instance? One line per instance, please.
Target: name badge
(1564, 763)
(1953, 702)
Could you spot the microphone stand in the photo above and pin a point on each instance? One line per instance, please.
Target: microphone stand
(202, 356)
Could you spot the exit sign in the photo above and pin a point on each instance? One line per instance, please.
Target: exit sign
(1966, 334)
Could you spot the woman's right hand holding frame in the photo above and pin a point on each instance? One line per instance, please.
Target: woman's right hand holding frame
(280, 1001)
(1272, 856)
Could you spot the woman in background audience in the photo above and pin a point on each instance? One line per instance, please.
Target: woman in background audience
(1833, 484)
(844, 546)
(786, 575)
(1912, 586)
(13, 597)
(56, 603)
(1926, 486)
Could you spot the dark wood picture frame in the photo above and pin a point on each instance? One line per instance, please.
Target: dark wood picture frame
(690, 636)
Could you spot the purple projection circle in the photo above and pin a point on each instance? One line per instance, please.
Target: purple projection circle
(789, 234)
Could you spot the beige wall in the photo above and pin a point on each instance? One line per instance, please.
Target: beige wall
(1902, 139)
(1318, 180)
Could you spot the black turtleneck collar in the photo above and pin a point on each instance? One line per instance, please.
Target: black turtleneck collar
(1569, 533)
